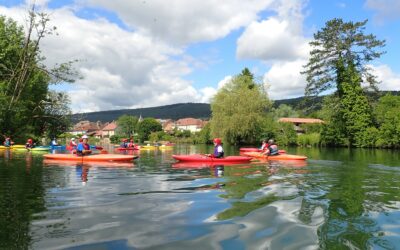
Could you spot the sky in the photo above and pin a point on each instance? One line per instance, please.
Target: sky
(146, 53)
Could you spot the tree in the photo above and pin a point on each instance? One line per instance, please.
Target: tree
(24, 79)
(238, 110)
(285, 111)
(338, 60)
(127, 125)
(336, 46)
(388, 119)
(147, 126)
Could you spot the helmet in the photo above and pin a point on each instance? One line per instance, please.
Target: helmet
(124, 140)
(217, 140)
(270, 141)
(8, 138)
(72, 139)
(85, 137)
(30, 140)
(131, 140)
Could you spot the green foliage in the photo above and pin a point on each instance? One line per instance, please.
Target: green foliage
(388, 118)
(126, 125)
(286, 135)
(29, 108)
(312, 139)
(238, 110)
(147, 126)
(340, 43)
(285, 111)
(203, 136)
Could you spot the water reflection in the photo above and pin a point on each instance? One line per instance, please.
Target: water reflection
(338, 199)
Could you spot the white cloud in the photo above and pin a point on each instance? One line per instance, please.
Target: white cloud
(184, 22)
(389, 79)
(224, 81)
(121, 69)
(386, 9)
(278, 38)
(284, 80)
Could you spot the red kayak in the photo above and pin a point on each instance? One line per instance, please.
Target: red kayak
(205, 158)
(275, 157)
(242, 150)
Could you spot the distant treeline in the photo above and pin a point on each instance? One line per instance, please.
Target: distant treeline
(195, 110)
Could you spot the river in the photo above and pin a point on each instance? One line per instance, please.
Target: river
(337, 199)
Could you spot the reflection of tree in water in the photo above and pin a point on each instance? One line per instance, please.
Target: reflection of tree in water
(242, 180)
(21, 196)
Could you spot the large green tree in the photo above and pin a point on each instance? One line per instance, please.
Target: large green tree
(127, 125)
(28, 105)
(388, 118)
(338, 60)
(147, 126)
(238, 110)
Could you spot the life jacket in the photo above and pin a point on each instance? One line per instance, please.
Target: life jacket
(28, 145)
(273, 149)
(218, 151)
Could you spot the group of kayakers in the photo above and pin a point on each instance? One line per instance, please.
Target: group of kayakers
(268, 147)
(81, 148)
(127, 144)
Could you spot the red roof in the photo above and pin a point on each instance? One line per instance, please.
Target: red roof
(111, 126)
(189, 122)
(300, 120)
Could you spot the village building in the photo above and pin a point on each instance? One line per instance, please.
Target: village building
(297, 122)
(109, 130)
(191, 124)
(86, 127)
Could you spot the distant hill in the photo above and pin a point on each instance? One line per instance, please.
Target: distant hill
(174, 111)
(194, 110)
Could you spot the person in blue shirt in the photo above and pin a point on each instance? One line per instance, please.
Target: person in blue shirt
(272, 148)
(83, 147)
(8, 142)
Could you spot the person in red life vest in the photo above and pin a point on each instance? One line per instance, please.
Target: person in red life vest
(218, 150)
(272, 148)
(83, 147)
(72, 143)
(29, 144)
(8, 142)
(131, 144)
(264, 145)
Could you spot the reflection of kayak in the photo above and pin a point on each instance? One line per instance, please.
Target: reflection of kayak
(275, 157)
(194, 164)
(148, 147)
(128, 148)
(243, 150)
(204, 158)
(88, 158)
(49, 162)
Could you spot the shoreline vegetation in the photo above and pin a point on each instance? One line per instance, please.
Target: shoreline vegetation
(355, 113)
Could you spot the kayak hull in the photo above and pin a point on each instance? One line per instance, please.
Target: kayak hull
(129, 148)
(204, 158)
(91, 158)
(105, 164)
(280, 157)
(33, 149)
(243, 150)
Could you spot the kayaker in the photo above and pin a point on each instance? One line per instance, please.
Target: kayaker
(272, 148)
(264, 145)
(218, 150)
(131, 144)
(8, 142)
(29, 144)
(124, 143)
(72, 143)
(54, 142)
(83, 147)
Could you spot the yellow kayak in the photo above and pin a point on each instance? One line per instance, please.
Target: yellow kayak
(164, 147)
(148, 147)
(33, 149)
(12, 147)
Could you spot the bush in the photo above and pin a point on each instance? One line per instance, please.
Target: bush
(312, 139)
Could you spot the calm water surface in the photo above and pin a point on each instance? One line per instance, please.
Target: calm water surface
(337, 199)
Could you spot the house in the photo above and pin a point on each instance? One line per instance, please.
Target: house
(109, 129)
(298, 121)
(86, 127)
(191, 124)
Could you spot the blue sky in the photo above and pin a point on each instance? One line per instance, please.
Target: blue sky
(156, 52)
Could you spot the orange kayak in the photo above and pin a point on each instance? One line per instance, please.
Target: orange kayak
(88, 158)
(279, 157)
(204, 158)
